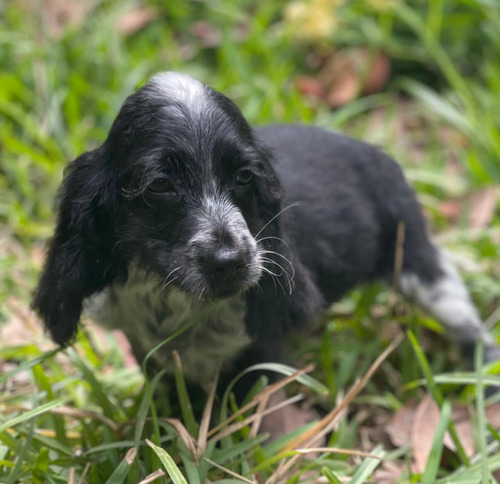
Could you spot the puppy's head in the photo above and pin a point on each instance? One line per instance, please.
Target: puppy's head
(180, 187)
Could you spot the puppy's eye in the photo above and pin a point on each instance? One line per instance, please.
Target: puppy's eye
(244, 177)
(161, 185)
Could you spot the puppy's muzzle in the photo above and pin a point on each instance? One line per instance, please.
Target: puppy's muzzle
(223, 254)
(225, 263)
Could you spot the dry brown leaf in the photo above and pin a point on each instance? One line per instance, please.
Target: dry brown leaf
(135, 20)
(451, 209)
(347, 73)
(496, 475)
(58, 14)
(310, 87)
(389, 472)
(482, 207)
(493, 415)
(379, 71)
(463, 426)
(423, 429)
(288, 419)
(344, 84)
(152, 477)
(209, 36)
(465, 434)
(186, 437)
(400, 427)
(416, 424)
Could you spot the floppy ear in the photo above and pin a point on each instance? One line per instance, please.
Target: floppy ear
(79, 261)
(279, 302)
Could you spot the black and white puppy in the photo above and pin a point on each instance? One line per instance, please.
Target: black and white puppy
(186, 213)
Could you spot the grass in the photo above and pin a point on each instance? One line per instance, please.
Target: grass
(83, 414)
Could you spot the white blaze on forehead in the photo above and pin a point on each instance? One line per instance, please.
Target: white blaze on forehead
(181, 88)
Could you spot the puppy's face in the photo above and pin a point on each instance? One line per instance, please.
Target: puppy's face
(180, 187)
(189, 179)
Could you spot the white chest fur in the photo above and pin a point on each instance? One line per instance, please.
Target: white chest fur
(148, 314)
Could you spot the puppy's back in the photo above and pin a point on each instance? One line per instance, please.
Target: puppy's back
(350, 198)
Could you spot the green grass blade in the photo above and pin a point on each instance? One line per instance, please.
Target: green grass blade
(432, 467)
(459, 378)
(332, 478)
(57, 421)
(121, 472)
(27, 365)
(31, 414)
(184, 399)
(108, 408)
(169, 464)
(190, 468)
(287, 370)
(436, 394)
(54, 444)
(125, 444)
(481, 414)
(13, 476)
(146, 403)
(366, 468)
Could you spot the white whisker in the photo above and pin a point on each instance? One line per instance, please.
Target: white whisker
(275, 217)
(283, 273)
(282, 256)
(166, 282)
(276, 238)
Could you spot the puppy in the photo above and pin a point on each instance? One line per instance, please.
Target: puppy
(187, 216)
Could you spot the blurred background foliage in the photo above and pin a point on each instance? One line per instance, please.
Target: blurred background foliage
(66, 67)
(419, 78)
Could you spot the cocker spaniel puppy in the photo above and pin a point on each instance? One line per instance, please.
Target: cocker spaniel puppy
(187, 215)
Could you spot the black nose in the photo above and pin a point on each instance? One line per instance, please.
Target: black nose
(224, 262)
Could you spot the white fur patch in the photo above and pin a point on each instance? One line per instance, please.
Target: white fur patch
(448, 300)
(148, 314)
(182, 89)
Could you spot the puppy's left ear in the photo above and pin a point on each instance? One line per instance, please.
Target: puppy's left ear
(79, 261)
(286, 296)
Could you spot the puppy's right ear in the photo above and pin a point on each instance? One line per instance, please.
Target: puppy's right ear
(79, 261)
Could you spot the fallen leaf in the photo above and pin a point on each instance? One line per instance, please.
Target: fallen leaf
(291, 417)
(132, 21)
(340, 79)
(482, 207)
(346, 74)
(451, 209)
(400, 427)
(310, 87)
(496, 475)
(423, 429)
(389, 472)
(379, 71)
(493, 415)
(59, 14)
(209, 36)
(463, 427)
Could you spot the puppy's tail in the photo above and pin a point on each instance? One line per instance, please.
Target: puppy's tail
(445, 297)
